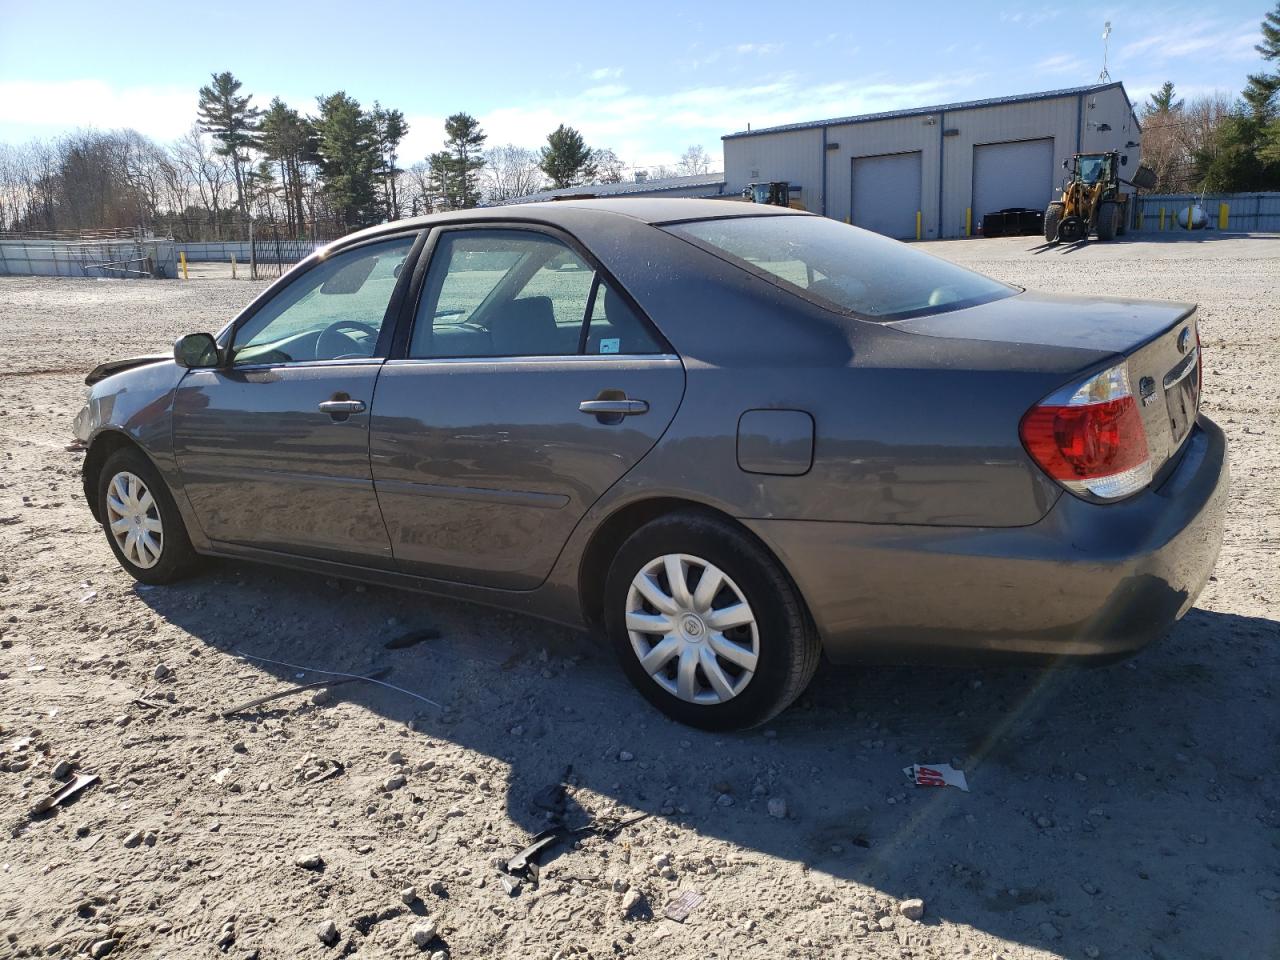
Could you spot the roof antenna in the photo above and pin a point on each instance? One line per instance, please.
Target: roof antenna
(1104, 76)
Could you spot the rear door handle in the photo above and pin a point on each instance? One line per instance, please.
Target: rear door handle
(341, 408)
(617, 408)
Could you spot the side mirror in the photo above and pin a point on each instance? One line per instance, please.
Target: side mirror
(195, 350)
(1064, 164)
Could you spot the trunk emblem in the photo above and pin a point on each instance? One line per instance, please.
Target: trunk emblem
(1147, 388)
(1184, 339)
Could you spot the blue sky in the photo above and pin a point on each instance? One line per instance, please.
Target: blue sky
(647, 79)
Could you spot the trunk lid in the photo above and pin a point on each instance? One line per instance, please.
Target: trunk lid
(1158, 341)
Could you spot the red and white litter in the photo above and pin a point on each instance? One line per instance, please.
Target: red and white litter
(936, 775)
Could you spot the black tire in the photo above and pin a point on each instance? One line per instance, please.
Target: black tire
(176, 558)
(787, 642)
(1107, 220)
(1122, 222)
(1052, 217)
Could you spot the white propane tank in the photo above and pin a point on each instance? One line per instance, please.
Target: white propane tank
(1198, 219)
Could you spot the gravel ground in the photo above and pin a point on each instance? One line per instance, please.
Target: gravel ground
(1126, 811)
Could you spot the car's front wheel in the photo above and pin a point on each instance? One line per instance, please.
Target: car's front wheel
(706, 624)
(141, 520)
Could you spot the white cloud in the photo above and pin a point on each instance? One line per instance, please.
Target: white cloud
(761, 49)
(43, 109)
(1061, 63)
(606, 73)
(1221, 40)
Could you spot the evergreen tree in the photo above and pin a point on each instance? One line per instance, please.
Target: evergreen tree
(389, 128)
(286, 139)
(1164, 100)
(464, 147)
(567, 159)
(233, 122)
(1260, 92)
(348, 159)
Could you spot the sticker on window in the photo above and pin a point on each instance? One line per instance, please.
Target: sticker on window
(610, 344)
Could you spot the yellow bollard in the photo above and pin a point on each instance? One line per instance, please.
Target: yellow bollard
(1162, 218)
(917, 224)
(1223, 213)
(968, 221)
(182, 257)
(233, 266)
(1188, 216)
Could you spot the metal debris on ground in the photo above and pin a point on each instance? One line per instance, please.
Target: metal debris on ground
(298, 688)
(339, 673)
(64, 793)
(683, 905)
(936, 775)
(315, 769)
(412, 638)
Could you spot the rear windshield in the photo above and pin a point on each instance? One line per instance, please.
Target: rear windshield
(854, 270)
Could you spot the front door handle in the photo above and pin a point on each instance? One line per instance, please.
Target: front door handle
(341, 409)
(617, 408)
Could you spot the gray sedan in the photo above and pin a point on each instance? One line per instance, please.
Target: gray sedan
(728, 437)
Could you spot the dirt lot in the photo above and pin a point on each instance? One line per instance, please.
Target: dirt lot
(1127, 811)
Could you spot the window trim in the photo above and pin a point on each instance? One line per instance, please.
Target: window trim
(390, 319)
(409, 314)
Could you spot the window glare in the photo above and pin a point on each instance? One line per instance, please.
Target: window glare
(853, 269)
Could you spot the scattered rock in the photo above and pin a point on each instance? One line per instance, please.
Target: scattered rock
(1092, 952)
(1049, 931)
(724, 800)
(120, 721)
(423, 933)
(631, 901)
(394, 783)
(912, 909)
(778, 808)
(1089, 888)
(101, 948)
(62, 769)
(239, 747)
(309, 861)
(510, 884)
(626, 756)
(408, 896)
(885, 923)
(1044, 823)
(328, 933)
(161, 671)
(1266, 893)
(133, 839)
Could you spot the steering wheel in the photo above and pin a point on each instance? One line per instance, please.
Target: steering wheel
(329, 347)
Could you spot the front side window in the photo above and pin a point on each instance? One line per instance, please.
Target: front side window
(853, 270)
(334, 311)
(513, 293)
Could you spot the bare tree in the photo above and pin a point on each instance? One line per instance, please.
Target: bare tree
(510, 172)
(207, 175)
(608, 167)
(694, 161)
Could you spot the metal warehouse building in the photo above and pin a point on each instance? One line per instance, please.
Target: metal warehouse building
(934, 171)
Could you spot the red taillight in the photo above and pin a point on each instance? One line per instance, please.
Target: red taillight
(1090, 438)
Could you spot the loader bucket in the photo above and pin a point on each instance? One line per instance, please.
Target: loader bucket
(1144, 178)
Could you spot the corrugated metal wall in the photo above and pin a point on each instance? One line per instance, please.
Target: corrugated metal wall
(59, 258)
(1089, 122)
(1246, 212)
(269, 251)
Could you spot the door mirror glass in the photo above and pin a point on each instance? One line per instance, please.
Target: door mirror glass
(196, 350)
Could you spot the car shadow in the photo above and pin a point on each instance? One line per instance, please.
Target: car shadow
(1085, 822)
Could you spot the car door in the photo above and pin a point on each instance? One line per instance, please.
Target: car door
(530, 383)
(273, 446)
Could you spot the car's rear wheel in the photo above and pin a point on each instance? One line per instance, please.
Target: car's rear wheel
(141, 520)
(706, 624)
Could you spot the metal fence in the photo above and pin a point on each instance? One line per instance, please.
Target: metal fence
(109, 258)
(267, 251)
(1244, 212)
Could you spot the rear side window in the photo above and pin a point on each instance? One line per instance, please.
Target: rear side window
(510, 293)
(854, 270)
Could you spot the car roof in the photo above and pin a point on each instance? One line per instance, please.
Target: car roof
(651, 210)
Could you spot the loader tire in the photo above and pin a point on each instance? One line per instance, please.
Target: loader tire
(1108, 218)
(1122, 224)
(1052, 217)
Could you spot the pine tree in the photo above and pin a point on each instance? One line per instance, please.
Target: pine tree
(389, 128)
(464, 146)
(567, 159)
(1260, 92)
(233, 122)
(348, 159)
(286, 139)
(1164, 100)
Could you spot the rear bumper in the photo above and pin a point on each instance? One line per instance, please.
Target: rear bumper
(1085, 581)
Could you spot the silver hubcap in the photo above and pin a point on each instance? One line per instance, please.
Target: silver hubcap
(692, 629)
(134, 520)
